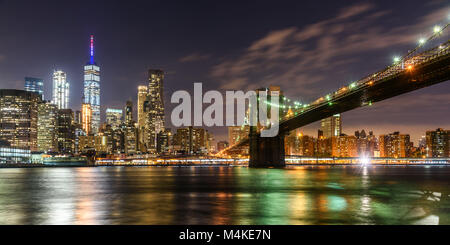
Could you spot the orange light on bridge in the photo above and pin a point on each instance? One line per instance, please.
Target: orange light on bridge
(410, 68)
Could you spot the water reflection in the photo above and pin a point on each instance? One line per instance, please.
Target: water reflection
(223, 195)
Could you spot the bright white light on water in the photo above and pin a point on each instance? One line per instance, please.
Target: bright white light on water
(365, 161)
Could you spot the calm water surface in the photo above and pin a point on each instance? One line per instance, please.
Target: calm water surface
(225, 195)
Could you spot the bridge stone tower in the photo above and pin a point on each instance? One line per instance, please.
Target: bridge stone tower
(266, 152)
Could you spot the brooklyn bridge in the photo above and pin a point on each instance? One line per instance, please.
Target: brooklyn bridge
(421, 67)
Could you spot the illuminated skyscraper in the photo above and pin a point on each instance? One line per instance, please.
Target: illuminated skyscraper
(60, 90)
(35, 85)
(129, 113)
(395, 145)
(47, 127)
(19, 118)
(114, 118)
(155, 119)
(332, 126)
(92, 88)
(142, 99)
(86, 118)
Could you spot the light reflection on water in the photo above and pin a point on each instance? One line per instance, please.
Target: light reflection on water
(225, 195)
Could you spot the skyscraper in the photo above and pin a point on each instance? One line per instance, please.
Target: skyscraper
(60, 90)
(47, 127)
(332, 126)
(19, 118)
(114, 118)
(35, 85)
(86, 118)
(92, 88)
(155, 120)
(142, 99)
(129, 113)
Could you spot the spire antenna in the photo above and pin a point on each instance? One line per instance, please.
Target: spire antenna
(92, 49)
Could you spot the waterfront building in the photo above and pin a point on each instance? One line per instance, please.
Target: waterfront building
(86, 120)
(344, 146)
(65, 131)
(395, 145)
(19, 118)
(323, 146)
(92, 88)
(437, 143)
(35, 85)
(163, 141)
(365, 144)
(47, 127)
(60, 90)
(130, 139)
(332, 126)
(192, 140)
(13, 155)
(114, 118)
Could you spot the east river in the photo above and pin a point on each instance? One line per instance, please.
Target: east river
(225, 195)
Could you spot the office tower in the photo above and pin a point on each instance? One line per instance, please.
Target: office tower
(438, 143)
(47, 127)
(142, 99)
(66, 131)
(60, 90)
(129, 113)
(92, 88)
(19, 118)
(114, 118)
(86, 121)
(332, 126)
(344, 146)
(35, 85)
(395, 145)
(222, 145)
(155, 120)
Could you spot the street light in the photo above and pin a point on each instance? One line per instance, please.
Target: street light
(397, 59)
(422, 41)
(437, 29)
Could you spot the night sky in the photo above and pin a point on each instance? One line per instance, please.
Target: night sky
(309, 48)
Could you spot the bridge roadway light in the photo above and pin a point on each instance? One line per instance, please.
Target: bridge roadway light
(422, 41)
(396, 59)
(437, 29)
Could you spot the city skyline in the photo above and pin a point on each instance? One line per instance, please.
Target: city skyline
(412, 111)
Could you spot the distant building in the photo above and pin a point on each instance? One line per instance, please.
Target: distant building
(86, 118)
(47, 134)
(438, 143)
(114, 118)
(35, 85)
(222, 145)
(366, 144)
(60, 90)
(323, 146)
(344, 146)
(153, 108)
(332, 126)
(19, 118)
(163, 141)
(192, 140)
(65, 131)
(129, 113)
(395, 145)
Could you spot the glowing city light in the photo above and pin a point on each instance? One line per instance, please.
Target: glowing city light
(365, 161)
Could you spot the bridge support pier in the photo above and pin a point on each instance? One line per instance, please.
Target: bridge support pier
(266, 152)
